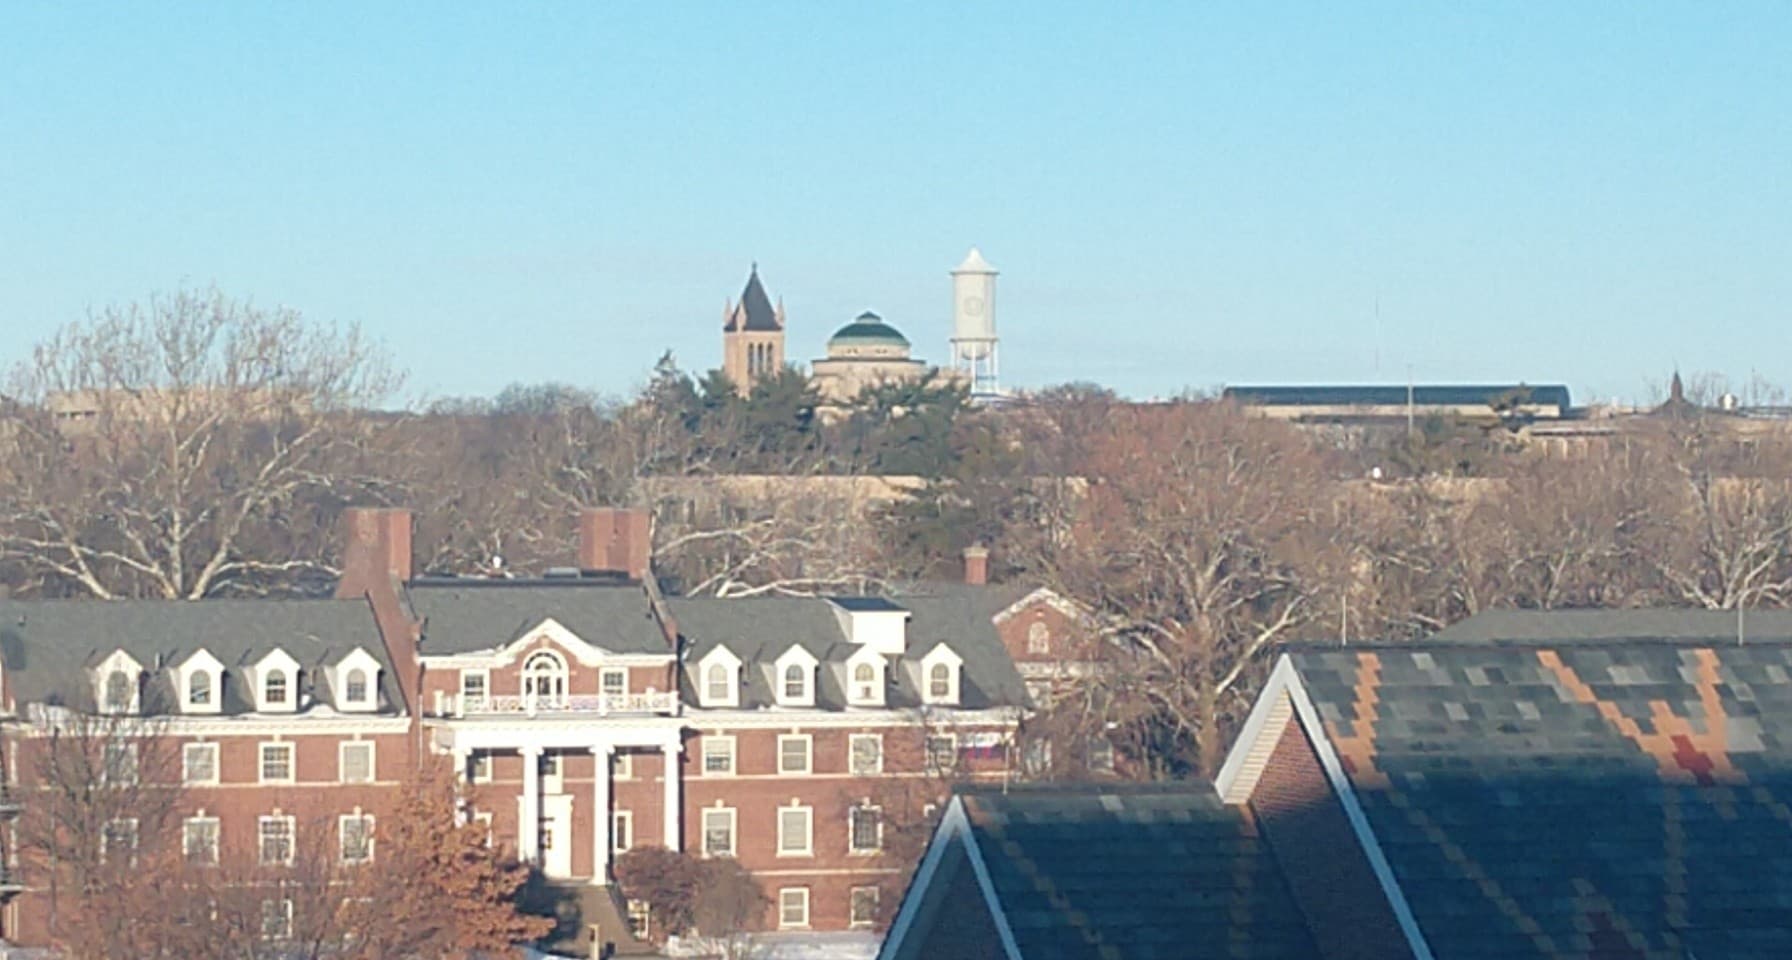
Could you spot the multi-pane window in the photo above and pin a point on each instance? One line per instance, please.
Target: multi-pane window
(199, 688)
(793, 753)
(793, 907)
(356, 758)
(718, 832)
(867, 754)
(640, 919)
(118, 841)
(939, 681)
(274, 840)
(274, 689)
(199, 763)
(718, 756)
(942, 753)
(121, 692)
(796, 682)
(199, 839)
(472, 689)
(864, 906)
(119, 763)
(1039, 639)
(865, 829)
(276, 763)
(354, 689)
(615, 682)
(276, 919)
(716, 686)
(795, 831)
(355, 832)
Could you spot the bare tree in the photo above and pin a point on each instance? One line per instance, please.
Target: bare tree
(182, 447)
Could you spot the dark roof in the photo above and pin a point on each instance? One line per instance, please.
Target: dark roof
(760, 629)
(869, 326)
(1577, 799)
(1438, 395)
(47, 644)
(1142, 872)
(864, 604)
(755, 310)
(462, 618)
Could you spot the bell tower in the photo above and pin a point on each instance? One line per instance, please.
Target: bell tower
(752, 336)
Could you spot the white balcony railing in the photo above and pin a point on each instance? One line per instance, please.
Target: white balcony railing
(651, 703)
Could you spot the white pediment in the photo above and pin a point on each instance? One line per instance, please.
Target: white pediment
(553, 632)
(1047, 596)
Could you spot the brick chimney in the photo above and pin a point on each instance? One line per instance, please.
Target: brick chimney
(616, 541)
(376, 544)
(976, 565)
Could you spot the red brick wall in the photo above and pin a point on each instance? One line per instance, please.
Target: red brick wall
(1325, 867)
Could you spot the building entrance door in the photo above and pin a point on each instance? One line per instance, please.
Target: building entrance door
(556, 836)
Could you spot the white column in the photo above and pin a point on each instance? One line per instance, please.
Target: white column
(462, 776)
(674, 814)
(528, 827)
(602, 819)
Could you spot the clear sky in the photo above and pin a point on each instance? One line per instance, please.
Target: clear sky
(1178, 194)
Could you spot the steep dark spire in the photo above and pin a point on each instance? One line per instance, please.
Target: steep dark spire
(754, 312)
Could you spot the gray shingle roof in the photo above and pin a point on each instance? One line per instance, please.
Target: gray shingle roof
(1142, 872)
(465, 617)
(47, 644)
(1598, 797)
(1555, 626)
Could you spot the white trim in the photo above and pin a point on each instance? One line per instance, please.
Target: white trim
(805, 924)
(356, 659)
(1227, 784)
(954, 826)
(808, 849)
(373, 769)
(799, 658)
(617, 818)
(342, 823)
(622, 765)
(1051, 598)
(283, 663)
(292, 762)
(201, 661)
(605, 673)
(186, 779)
(292, 838)
(725, 658)
(485, 680)
(1289, 680)
(936, 716)
(495, 657)
(942, 654)
(808, 754)
(852, 754)
(865, 657)
(851, 901)
(867, 851)
(186, 854)
(551, 630)
(733, 815)
(118, 662)
(718, 739)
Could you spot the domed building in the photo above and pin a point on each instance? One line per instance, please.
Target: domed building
(864, 353)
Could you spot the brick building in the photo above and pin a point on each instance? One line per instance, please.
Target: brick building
(804, 736)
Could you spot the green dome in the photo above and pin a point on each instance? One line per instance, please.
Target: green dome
(867, 329)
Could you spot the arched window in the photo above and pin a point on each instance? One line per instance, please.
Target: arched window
(544, 678)
(354, 689)
(1039, 639)
(273, 689)
(939, 681)
(863, 673)
(199, 688)
(119, 691)
(716, 688)
(796, 684)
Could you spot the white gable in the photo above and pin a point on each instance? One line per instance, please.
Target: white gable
(1043, 595)
(725, 658)
(200, 661)
(118, 662)
(557, 634)
(941, 655)
(796, 656)
(861, 693)
(338, 673)
(885, 631)
(277, 661)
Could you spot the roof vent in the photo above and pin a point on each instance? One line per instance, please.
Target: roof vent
(561, 573)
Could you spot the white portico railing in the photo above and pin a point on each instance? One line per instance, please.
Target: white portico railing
(650, 703)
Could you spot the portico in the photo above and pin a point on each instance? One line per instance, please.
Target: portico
(541, 739)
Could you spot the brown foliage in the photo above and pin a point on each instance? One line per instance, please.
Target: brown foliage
(712, 897)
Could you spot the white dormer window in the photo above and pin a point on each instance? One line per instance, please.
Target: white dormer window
(718, 678)
(199, 680)
(794, 678)
(118, 684)
(865, 679)
(275, 680)
(355, 682)
(940, 673)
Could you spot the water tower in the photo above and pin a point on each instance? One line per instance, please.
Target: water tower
(974, 323)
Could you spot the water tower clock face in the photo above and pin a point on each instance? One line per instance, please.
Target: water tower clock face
(973, 306)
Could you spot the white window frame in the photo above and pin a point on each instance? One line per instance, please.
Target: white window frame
(808, 741)
(283, 910)
(851, 834)
(852, 754)
(287, 693)
(342, 823)
(186, 845)
(852, 907)
(261, 838)
(730, 664)
(124, 771)
(124, 827)
(292, 762)
(553, 670)
(954, 664)
(873, 694)
(342, 751)
(118, 662)
(733, 818)
(719, 740)
(622, 830)
(789, 897)
(187, 750)
(606, 674)
(929, 756)
(482, 764)
(803, 661)
(1039, 639)
(622, 765)
(808, 847)
(485, 688)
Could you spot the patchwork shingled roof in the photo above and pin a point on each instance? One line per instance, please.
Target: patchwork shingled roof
(467, 616)
(1134, 871)
(1576, 797)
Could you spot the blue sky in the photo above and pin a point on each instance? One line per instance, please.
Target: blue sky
(1178, 194)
